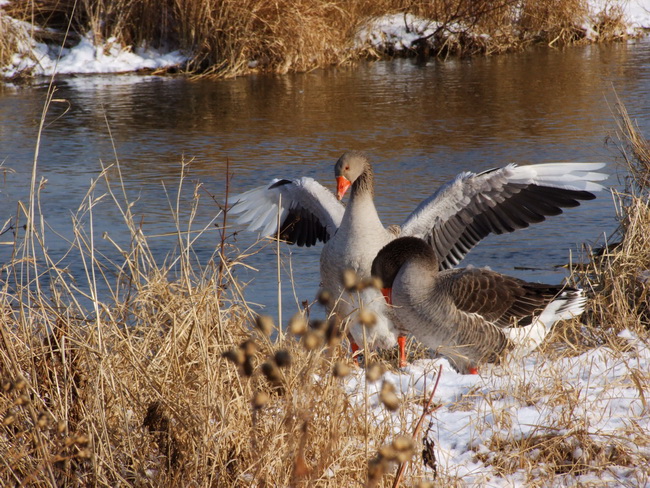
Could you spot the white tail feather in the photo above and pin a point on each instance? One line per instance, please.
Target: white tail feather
(567, 305)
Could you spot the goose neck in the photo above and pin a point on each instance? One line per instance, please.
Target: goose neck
(364, 185)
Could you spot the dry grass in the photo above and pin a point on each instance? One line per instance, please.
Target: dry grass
(165, 383)
(166, 378)
(10, 40)
(235, 37)
(618, 273)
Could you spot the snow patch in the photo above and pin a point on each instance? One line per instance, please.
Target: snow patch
(41, 59)
(592, 394)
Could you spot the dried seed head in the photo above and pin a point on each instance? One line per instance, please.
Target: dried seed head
(388, 397)
(313, 339)
(43, 419)
(249, 347)
(374, 372)
(341, 369)
(403, 443)
(404, 448)
(404, 456)
(81, 440)
(425, 484)
(282, 358)
(248, 367)
(298, 324)
(20, 383)
(7, 385)
(265, 324)
(333, 332)
(324, 297)
(272, 373)
(237, 356)
(84, 453)
(350, 279)
(375, 282)
(22, 400)
(388, 453)
(367, 318)
(260, 398)
(60, 426)
(9, 418)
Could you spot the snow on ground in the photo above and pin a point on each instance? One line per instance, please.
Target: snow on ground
(591, 403)
(396, 32)
(636, 13)
(45, 60)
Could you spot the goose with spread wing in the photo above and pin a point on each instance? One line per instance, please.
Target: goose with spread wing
(469, 315)
(452, 220)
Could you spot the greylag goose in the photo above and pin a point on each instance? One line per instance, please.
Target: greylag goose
(469, 315)
(452, 220)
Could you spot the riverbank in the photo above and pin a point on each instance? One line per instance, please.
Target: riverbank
(239, 38)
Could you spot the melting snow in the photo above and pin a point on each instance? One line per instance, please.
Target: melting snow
(111, 57)
(593, 395)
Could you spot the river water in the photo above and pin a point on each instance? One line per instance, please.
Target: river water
(421, 125)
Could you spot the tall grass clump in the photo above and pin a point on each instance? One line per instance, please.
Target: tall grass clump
(618, 273)
(12, 38)
(142, 373)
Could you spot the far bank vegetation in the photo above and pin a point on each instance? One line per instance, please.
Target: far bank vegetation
(233, 37)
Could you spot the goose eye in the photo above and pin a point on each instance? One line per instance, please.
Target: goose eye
(347, 168)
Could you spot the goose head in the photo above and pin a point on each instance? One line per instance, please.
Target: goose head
(396, 254)
(350, 166)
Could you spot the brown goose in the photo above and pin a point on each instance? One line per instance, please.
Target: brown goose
(452, 220)
(469, 315)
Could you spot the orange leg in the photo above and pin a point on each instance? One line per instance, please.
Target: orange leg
(401, 342)
(355, 347)
(473, 370)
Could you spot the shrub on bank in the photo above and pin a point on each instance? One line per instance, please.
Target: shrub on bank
(235, 37)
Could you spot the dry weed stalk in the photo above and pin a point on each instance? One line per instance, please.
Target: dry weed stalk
(618, 274)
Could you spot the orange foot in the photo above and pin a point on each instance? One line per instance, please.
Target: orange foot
(355, 347)
(401, 342)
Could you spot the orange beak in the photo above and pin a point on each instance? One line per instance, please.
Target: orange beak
(342, 185)
(388, 295)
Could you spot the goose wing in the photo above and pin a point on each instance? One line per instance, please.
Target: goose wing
(308, 212)
(500, 299)
(465, 210)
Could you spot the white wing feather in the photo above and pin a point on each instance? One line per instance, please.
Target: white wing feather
(258, 208)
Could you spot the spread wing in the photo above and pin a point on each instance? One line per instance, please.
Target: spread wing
(308, 212)
(464, 211)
